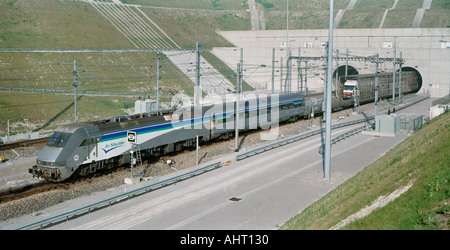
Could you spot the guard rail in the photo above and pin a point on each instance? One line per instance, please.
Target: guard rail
(295, 138)
(116, 198)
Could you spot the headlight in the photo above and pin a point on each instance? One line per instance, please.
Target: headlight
(45, 163)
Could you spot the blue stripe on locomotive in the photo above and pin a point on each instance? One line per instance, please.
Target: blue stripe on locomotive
(171, 125)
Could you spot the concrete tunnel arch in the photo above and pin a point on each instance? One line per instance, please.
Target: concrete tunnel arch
(353, 71)
(419, 76)
(341, 71)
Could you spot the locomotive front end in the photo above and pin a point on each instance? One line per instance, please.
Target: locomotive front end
(49, 164)
(60, 159)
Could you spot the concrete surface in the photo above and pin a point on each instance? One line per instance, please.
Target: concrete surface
(422, 50)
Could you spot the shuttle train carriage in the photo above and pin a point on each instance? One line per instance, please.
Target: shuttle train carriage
(364, 85)
(82, 148)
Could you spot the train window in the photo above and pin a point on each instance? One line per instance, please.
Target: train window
(87, 142)
(54, 140)
(58, 140)
(63, 140)
(84, 143)
(287, 106)
(349, 87)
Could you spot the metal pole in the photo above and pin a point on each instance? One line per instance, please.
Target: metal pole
(301, 70)
(273, 70)
(236, 127)
(75, 86)
(327, 167)
(196, 152)
(197, 89)
(287, 29)
(298, 71)
(337, 74)
(157, 80)
(241, 75)
(289, 71)
(281, 75)
(306, 77)
(325, 85)
(400, 94)
(376, 85)
(393, 79)
(7, 133)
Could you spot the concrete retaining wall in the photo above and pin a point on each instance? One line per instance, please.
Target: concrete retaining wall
(423, 50)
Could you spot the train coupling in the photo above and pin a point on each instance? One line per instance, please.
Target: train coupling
(37, 172)
(46, 173)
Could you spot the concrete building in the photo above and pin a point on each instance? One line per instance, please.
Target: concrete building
(425, 51)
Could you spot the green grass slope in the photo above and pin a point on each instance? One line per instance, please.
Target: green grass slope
(107, 71)
(56, 24)
(423, 158)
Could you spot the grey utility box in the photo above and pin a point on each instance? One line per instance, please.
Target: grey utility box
(146, 106)
(387, 124)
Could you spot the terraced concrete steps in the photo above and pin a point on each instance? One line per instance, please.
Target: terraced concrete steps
(142, 32)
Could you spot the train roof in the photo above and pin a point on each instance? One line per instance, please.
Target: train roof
(153, 118)
(360, 76)
(72, 127)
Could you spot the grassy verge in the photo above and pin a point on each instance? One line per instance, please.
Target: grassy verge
(423, 158)
(114, 72)
(29, 112)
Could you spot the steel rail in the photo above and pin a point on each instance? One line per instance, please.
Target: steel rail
(343, 136)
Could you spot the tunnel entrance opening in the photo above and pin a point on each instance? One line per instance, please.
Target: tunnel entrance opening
(341, 74)
(341, 71)
(419, 77)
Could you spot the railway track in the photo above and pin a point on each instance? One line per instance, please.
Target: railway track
(22, 191)
(25, 190)
(24, 143)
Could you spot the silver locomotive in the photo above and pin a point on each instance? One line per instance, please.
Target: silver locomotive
(82, 148)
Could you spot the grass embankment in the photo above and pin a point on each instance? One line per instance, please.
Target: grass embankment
(108, 72)
(423, 159)
(56, 24)
(28, 112)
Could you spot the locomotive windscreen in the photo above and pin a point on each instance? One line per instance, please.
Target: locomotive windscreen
(58, 140)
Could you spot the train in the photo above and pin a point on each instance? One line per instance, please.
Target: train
(79, 149)
(363, 86)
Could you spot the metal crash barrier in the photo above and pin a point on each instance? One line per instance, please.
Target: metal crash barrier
(109, 201)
